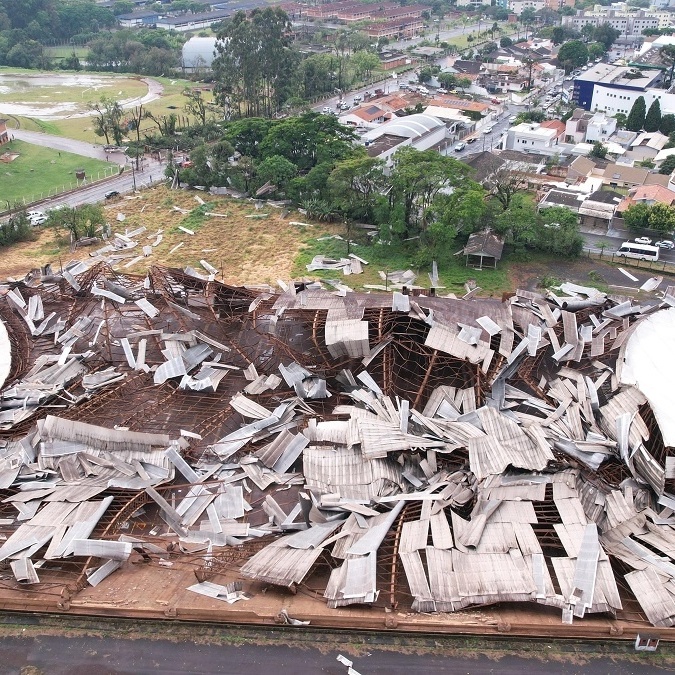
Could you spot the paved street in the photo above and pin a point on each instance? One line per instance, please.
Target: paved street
(52, 655)
(68, 145)
(150, 171)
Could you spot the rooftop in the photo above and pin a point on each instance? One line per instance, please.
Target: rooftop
(474, 454)
(619, 76)
(195, 434)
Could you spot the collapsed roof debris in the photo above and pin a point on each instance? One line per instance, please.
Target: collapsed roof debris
(435, 453)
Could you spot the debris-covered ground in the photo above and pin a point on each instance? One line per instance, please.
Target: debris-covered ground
(398, 450)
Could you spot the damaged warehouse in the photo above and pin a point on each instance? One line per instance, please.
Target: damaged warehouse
(389, 451)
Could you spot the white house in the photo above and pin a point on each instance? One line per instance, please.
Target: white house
(531, 137)
(600, 128)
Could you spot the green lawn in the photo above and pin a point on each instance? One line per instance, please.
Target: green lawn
(64, 51)
(38, 172)
(452, 272)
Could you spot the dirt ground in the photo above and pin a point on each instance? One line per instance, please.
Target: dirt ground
(248, 246)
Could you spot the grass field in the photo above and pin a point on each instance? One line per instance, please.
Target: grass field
(64, 51)
(453, 273)
(80, 128)
(40, 170)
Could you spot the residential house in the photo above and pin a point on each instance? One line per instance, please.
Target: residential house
(4, 133)
(624, 138)
(563, 198)
(600, 128)
(624, 176)
(580, 169)
(466, 68)
(598, 210)
(557, 126)
(576, 126)
(649, 195)
(396, 102)
(367, 116)
(530, 136)
(484, 164)
(647, 146)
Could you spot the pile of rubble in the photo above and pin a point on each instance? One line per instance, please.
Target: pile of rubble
(468, 451)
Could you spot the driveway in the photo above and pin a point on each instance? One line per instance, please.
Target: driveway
(62, 144)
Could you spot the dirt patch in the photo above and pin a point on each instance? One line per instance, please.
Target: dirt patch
(246, 245)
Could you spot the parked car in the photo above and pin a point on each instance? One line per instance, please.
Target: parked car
(111, 194)
(666, 243)
(643, 240)
(343, 106)
(358, 98)
(495, 100)
(488, 130)
(440, 90)
(423, 90)
(473, 139)
(37, 219)
(513, 118)
(403, 85)
(327, 110)
(459, 147)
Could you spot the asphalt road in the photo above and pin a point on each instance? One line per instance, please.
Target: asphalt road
(68, 145)
(150, 171)
(53, 655)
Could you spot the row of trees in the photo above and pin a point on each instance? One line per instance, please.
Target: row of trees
(424, 196)
(660, 217)
(641, 119)
(257, 70)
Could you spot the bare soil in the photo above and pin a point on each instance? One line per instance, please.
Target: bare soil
(245, 250)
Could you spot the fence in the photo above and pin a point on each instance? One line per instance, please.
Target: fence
(611, 257)
(112, 170)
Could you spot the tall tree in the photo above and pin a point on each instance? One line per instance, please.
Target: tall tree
(606, 34)
(355, 184)
(417, 177)
(636, 216)
(667, 125)
(573, 54)
(505, 183)
(637, 115)
(107, 119)
(662, 217)
(653, 118)
(255, 63)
